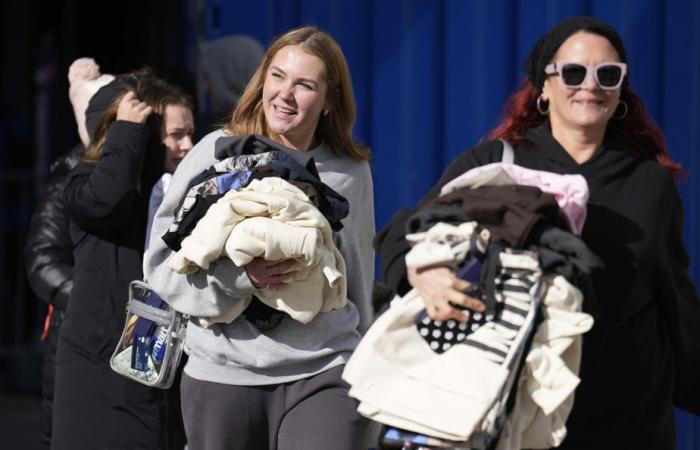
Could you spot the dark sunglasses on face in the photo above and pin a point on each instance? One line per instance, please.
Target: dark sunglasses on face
(608, 75)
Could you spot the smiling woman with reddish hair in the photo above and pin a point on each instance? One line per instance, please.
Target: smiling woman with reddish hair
(576, 114)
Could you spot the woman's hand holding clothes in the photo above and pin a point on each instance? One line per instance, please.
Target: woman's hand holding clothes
(270, 274)
(441, 289)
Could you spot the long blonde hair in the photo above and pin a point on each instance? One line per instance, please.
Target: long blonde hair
(154, 91)
(335, 128)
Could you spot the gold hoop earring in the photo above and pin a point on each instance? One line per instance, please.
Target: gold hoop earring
(624, 108)
(538, 104)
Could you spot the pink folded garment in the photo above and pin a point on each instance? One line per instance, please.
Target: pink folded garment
(570, 191)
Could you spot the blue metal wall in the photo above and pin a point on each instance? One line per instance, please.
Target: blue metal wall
(431, 78)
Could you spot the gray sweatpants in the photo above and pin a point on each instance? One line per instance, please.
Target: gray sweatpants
(310, 414)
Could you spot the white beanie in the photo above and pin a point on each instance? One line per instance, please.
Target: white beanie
(85, 80)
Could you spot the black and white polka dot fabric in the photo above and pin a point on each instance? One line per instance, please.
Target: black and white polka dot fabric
(441, 335)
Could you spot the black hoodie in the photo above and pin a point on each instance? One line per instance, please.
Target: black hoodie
(643, 354)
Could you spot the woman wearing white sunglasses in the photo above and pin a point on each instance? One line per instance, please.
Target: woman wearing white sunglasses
(576, 114)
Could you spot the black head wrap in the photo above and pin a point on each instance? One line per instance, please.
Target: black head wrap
(100, 102)
(543, 52)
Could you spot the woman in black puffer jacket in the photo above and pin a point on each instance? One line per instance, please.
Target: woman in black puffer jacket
(48, 256)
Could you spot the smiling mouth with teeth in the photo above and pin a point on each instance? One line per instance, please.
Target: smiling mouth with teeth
(284, 110)
(589, 102)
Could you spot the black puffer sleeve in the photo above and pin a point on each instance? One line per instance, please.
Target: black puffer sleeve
(48, 252)
(390, 243)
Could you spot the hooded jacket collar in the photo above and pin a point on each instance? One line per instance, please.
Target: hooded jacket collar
(613, 148)
(614, 158)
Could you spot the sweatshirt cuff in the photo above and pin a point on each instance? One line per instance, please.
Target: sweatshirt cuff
(234, 279)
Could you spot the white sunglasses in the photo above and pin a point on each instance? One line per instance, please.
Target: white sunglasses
(608, 75)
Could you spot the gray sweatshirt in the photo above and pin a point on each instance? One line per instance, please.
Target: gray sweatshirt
(237, 353)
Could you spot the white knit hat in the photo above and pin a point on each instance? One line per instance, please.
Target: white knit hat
(85, 80)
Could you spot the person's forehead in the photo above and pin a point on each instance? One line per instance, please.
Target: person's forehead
(298, 58)
(178, 116)
(586, 43)
(177, 112)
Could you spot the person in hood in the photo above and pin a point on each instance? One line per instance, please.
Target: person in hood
(577, 114)
(225, 67)
(106, 198)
